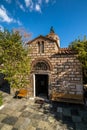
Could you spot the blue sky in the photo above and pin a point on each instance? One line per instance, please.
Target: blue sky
(68, 17)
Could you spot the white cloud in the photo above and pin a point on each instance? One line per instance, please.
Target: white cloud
(33, 5)
(20, 6)
(40, 2)
(37, 4)
(28, 3)
(8, 1)
(38, 8)
(18, 22)
(4, 16)
(53, 2)
(47, 1)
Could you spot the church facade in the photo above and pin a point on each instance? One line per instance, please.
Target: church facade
(55, 72)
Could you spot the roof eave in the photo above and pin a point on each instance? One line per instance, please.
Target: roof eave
(40, 36)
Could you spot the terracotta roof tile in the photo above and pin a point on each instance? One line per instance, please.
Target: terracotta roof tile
(66, 51)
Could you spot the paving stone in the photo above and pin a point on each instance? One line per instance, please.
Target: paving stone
(45, 118)
(36, 116)
(22, 123)
(38, 128)
(85, 119)
(76, 119)
(1, 125)
(22, 114)
(10, 120)
(65, 127)
(59, 127)
(45, 111)
(7, 127)
(26, 114)
(31, 128)
(41, 110)
(40, 113)
(74, 112)
(66, 112)
(59, 109)
(58, 116)
(44, 125)
(2, 116)
(51, 119)
(14, 128)
(19, 122)
(62, 126)
(16, 113)
(80, 126)
(23, 108)
(34, 123)
(30, 110)
(83, 113)
(6, 111)
(67, 119)
(70, 127)
(25, 124)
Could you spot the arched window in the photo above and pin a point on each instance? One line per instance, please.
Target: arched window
(41, 66)
(38, 47)
(41, 47)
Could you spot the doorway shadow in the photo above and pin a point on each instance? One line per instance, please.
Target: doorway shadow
(41, 83)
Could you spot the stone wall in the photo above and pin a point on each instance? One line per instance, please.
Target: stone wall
(67, 74)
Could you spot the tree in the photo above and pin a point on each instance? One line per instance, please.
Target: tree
(14, 59)
(81, 47)
(24, 34)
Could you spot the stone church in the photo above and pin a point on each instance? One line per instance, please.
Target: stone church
(55, 72)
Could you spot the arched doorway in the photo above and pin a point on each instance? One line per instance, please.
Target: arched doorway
(41, 78)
